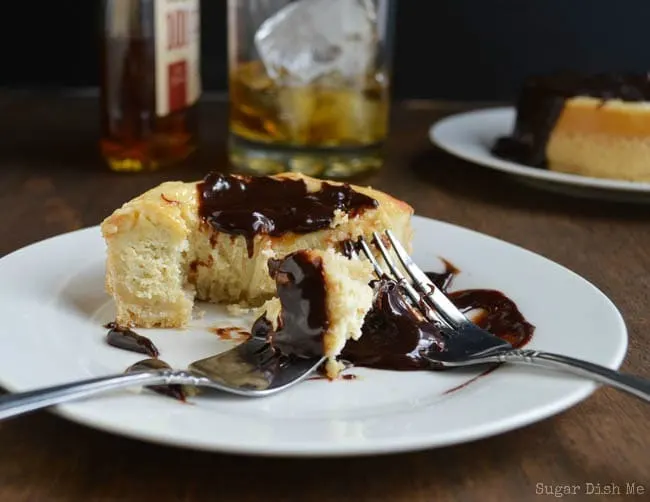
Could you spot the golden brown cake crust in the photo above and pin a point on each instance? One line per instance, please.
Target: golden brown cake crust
(161, 255)
(603, 139)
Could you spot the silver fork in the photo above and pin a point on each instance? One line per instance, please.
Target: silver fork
(467, 344)
(251, 369)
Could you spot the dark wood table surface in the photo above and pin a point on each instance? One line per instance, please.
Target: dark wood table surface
(52, 181)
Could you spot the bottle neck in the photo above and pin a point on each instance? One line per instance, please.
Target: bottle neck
(129, 18)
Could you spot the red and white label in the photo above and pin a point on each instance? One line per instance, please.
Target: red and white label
(178, 74)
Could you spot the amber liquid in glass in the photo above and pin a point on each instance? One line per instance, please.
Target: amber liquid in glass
(318, 115)
(134, 138)
(322, 121)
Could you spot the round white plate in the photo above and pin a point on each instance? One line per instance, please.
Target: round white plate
(53, 306)
(471, 136)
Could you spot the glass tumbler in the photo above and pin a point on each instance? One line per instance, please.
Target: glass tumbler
(309, 85)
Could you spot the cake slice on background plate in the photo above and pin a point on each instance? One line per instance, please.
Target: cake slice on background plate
(591, 125)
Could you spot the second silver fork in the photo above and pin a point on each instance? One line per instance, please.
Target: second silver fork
(467, 344)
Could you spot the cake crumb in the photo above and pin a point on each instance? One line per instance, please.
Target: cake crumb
(340, 218)
(237, 310)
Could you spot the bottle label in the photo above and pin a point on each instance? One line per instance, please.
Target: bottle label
(178, 74)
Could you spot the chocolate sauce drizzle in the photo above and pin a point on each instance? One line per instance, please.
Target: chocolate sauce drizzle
(541, 101)
(127, 339)
(248, 206)
(443, 279)
(394, 333)
(499, 314)
(303, 319)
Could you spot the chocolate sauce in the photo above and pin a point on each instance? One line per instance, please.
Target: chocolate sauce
(499, 314)
(444, 279)
(174, 390)
(303, 319)
(127, 339)
(262, 327)
(248, 206)
(393, 334)
(472, 380)
(542, 100)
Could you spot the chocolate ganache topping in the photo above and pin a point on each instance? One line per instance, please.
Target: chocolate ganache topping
(541, 101)
(303, 319)
(248, 206)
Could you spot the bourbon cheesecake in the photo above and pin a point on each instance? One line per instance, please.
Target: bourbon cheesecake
(593, 125)
(213, 239)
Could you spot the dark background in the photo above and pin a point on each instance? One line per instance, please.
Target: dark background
(445, 49)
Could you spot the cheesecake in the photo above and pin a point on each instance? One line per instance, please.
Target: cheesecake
(213, 239)
(591, 125)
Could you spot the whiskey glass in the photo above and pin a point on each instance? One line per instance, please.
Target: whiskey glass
(309, 85)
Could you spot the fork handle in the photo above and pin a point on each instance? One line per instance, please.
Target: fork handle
(12, 405)
(637, 386)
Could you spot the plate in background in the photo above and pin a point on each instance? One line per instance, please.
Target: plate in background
(471, 136)
(53, 306)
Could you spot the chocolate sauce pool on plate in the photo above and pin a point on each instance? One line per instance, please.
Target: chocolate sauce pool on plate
(127, 339)
(394, 333)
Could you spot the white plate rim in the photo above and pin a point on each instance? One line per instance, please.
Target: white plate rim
(439, 135)
(318, 449)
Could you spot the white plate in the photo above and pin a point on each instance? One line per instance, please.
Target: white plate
(471, 136)
(53, 305)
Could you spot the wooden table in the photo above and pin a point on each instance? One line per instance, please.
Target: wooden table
(52, 181)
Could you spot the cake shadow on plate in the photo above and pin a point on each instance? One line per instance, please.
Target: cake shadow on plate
(85, 293)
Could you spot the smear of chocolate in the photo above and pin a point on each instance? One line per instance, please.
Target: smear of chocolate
(393, 334)
(303, 319)
(498, 314)
(127, 339)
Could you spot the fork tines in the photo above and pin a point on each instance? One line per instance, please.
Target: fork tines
(420, 289)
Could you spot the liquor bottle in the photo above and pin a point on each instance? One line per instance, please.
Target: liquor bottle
(151, 82)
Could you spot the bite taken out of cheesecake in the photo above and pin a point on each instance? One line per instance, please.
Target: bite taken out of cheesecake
(591, 125)
(323, 298)
(212, 240)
